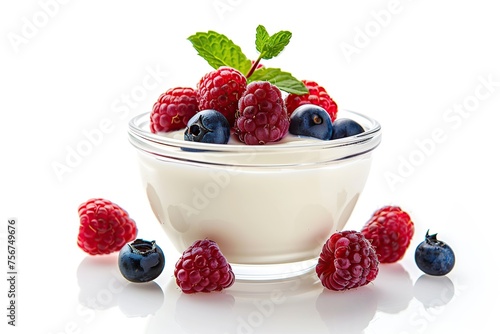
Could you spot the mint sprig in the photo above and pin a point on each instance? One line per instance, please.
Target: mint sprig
(218, 50)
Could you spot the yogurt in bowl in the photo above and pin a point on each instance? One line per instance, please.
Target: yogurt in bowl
(270, 208)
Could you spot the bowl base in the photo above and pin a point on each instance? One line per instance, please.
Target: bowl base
(272, 272)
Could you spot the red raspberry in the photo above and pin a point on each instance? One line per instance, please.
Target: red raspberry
(173, 109)
(317, 95)
(390, 230)
(261, 114)
(220, 90)
(104, 227)
(347, 261)
(203, 268)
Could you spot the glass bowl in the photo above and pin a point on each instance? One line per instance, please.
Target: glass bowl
(270, 208)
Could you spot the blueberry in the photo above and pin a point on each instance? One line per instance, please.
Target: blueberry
(434, 257)
(208, 126)
(312, 121)
(345, 127)
(141, 261)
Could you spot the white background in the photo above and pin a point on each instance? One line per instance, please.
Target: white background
(70, 67)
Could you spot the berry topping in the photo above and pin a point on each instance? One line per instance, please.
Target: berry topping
(317, 95)
(141, 261)
(173, 109)
(104, 227)
(261, 116)
(347, 261)
(203, 268)
(344, 127)
(208, 126)
(221, 90)
(390, 230)
(312, 121)
(434, 257)
(220, 51)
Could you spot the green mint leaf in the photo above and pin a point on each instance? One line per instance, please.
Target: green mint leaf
(276, 44)
(271, 46)
(218, 50)
(283, 80)
(261, 38)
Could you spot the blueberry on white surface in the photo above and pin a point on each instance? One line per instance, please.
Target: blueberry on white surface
(141, 261)
(434, 257)
(208, 126)
(345, 127)
(312, 121)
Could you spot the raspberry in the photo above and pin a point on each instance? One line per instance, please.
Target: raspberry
(173, 109)
(203, 268)
(104, 227)
(390, 230)
(220, 90)
(347, 261)
(262, 116)
(317, 95)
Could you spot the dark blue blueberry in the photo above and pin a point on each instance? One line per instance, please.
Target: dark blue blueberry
(434, 257)
(141, 261)
(312, 121)
(345, 127)
(208, 126)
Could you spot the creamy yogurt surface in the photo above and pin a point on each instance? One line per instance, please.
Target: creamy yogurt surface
(233, 139)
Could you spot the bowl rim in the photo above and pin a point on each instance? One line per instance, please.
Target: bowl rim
(139, 130)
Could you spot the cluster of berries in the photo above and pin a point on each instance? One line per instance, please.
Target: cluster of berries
(257, 113)
(349, 259)
(107, 228)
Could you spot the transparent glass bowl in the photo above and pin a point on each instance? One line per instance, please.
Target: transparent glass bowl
(270, 208)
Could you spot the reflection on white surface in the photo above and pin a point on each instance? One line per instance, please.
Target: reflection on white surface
(393, 288)
(262, 307)
(140, 299)
(347, 312)
(290, 306)
(100, 282)
(205, 313)
(433, 291)
(245, 307)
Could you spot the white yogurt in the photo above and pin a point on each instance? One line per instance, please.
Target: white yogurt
(256, 215)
